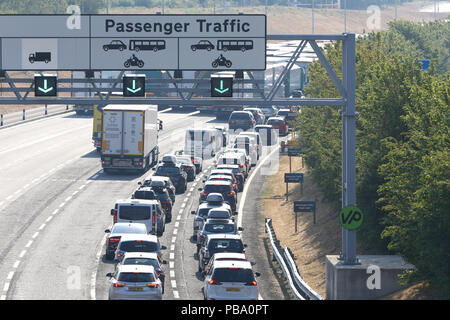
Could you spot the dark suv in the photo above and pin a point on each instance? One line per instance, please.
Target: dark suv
(152, 193)
(175, 173)
(225, 188)
(241, 120)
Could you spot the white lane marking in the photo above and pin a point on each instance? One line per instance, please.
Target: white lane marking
(1, 203)
(178, 217)
(97, 262)
(35, 235)
(49, 218)
(2, 297)
(62, 204)
(16, 264)
(42, 226)
(183, 205)
(171, 264)
(172, 247)
(171, 256)
(82, 186)
(175, 294)
(194, 184)
(190, 190)
(6, 287)
(28, 244)
(68, 198)
(22, 253)
(75, 192)
(10, 275)
(9, 197)
(177, 224)
(186, 199)
(181, 211)
(172, 274)
(174, 283)
(174, 239)
(55, 212)
(175, 231)
(26, 186)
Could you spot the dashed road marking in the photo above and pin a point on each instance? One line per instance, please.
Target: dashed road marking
(22, 253)
(28, 244)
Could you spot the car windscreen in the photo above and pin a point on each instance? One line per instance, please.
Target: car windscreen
(233, 275)
(141, 262)
(118, 228)
(134, 212)
(167, 171)
(138, 246)
(219, 188)
(136, 277)
(225, 245)
(219, 227)
(161, 194)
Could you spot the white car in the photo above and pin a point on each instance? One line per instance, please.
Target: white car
(135, 282)
(117, 231)
(234, 158)
(257, 136)
(225, 256)
(231, 280)
(249, 144)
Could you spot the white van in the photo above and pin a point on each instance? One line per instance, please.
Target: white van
(249, 144)
(257, 136)
(147, 212)
(203, 143)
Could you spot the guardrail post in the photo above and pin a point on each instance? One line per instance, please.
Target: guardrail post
(45, 110)
(1, 120)
(23, 114)
(67, 107)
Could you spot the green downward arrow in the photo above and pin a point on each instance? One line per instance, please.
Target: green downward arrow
(134, 90)
(45, 89)
(221, 90)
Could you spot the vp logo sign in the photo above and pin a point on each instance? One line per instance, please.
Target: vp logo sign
(351, 217)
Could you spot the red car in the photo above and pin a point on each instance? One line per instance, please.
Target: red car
(278, 123)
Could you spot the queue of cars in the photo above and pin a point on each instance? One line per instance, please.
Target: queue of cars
(133, 242)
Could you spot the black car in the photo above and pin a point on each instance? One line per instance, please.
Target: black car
(202, 45)
(216, 226)
(115, 45)
(164, 182)
(156, 193)
(176, 173)
(241, 120)
(225, 188)
(216, 243)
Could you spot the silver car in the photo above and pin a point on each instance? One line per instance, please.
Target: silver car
(134, 282)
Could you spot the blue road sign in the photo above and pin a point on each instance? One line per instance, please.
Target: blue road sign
(304, 206)
(294, 152)
(293, 177)
(425, 64)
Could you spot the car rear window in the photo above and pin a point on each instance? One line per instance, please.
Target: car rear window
(203, 212)
(138, 246)
(167, 171)
(275, 121)
(239, 116)
(233, 275)
(228, 161)
(141, 262)
(220, 188)
(126, 229)
(219, 227)
(134, 212)
(136, 277)
(225, 245)
(144, 194)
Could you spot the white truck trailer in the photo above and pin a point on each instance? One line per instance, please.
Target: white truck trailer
(129, 137)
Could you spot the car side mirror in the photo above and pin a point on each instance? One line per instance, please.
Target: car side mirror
(235, 213)
(139, 183)
(153, 168)
(164, 262)
(257, 274)
(200, 189)
(241, 229)
(163, 247)
(109, 274)
(192, 212)
(252, 263)
(107, 231)
(245, 246)
(113, 212)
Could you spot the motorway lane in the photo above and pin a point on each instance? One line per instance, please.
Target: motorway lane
(51, 234)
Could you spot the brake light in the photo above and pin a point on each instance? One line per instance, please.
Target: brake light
(202, 236)
(214, 282)
(152, 285)
(251, 283)
(165, 202)
(119, 284)
(241, 165)
(115, 216)
(231, 194)
(234, 187)
(114, 239)
(203, 193)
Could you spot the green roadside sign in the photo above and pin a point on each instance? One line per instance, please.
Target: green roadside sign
(351, 217)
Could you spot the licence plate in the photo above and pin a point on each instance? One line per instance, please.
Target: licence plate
(233, 290)
(121, 163)
(135, 289)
